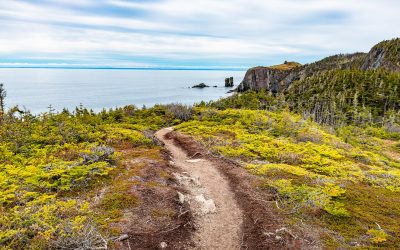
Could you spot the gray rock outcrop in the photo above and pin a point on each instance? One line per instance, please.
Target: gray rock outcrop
(270, 79)
(384, 55)
(200, 86)
(229, 82)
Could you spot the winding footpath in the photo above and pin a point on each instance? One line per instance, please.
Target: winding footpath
(218, 217)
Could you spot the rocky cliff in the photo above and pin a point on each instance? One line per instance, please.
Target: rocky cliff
(276, 79)
(272, 79)
(384, 55)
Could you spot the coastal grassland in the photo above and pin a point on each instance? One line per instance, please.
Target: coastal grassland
(345, 181)
(286, 66)
(79, 179)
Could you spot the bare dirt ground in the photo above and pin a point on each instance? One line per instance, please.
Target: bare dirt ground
(218, 217)
(246, 215)
(158, 220)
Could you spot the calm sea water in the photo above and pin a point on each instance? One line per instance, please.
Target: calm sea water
(36, 89)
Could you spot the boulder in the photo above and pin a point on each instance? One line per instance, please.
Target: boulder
(207, 206)
(163, 245)
(200, 86)
(181, 198)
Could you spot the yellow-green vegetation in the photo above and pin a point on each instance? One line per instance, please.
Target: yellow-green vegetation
(52, 167)
(346, 182)
(286, 66)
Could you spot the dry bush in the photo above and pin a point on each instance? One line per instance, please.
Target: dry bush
(98, 154)
(180, 111)
(309, 135)
(149, 134)
(86, 237)
(393, 128)
(290, 158)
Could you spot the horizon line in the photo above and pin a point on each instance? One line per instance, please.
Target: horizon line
(122, 68)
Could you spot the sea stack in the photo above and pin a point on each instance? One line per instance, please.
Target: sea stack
(229, 82)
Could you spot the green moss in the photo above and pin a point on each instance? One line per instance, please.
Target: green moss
(378, 236)
(118, 201)
(160, 213)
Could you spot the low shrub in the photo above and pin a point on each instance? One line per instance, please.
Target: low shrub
(324, 176)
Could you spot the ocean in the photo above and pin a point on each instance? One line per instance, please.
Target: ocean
(38, 88)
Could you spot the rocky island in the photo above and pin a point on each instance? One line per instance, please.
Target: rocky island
(200, 86)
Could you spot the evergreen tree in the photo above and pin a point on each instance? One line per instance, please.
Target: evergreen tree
(3, 95)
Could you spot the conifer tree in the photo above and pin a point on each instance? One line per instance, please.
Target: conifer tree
(3, 95)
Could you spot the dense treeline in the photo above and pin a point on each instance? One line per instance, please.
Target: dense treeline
(340, 61)
(335, 98)
(347, 96)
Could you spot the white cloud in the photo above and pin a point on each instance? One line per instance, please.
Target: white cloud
(203, 31)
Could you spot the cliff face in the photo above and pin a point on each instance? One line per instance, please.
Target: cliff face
(271, 79)
(276, 79)
(384, 55)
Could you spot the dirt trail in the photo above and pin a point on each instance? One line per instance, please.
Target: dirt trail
(218, 216)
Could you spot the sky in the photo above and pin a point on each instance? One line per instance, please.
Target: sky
(233, 34)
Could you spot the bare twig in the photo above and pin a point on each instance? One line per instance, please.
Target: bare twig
(169, 230)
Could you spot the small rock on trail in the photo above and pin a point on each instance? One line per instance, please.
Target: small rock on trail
(207, 206)
(194, 160)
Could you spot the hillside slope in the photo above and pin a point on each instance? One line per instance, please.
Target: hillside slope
(346, 96)
(385, 55)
